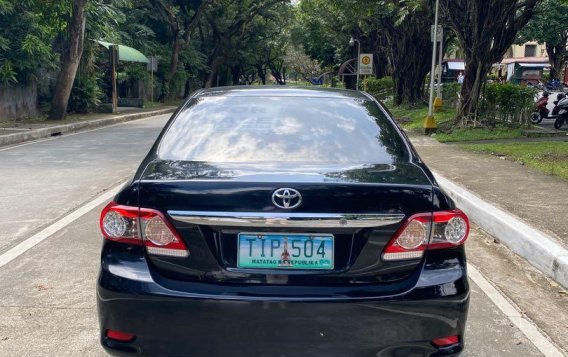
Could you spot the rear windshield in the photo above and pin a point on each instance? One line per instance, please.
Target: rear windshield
(242, 129)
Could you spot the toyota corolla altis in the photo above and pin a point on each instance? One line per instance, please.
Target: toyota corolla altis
(281, 222)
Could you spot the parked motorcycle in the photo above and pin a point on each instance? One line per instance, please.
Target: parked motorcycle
(541, 110)
(562, 112)
(555, 85)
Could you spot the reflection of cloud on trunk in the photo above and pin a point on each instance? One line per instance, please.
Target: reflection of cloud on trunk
(243, 129)
(287, 126)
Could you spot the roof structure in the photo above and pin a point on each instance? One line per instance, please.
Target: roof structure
(533, 60)
(125, 53)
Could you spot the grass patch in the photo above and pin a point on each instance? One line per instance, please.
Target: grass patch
(550, 158)
(412, 116)
(470, 134)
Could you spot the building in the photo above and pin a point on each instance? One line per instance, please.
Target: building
(525, 70)
(529, 49)
(451, 68)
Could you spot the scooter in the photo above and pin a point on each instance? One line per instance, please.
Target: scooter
(541, 112)
(555, 85)
(562, 116)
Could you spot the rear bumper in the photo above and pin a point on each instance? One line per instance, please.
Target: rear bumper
(168, 322)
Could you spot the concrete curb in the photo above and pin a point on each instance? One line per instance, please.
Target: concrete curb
(538, 248)
(42, 133)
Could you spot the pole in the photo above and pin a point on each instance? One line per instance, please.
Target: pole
(358, 60)
(429, 122)
(113, 58)
(440, 59)
(151, 84)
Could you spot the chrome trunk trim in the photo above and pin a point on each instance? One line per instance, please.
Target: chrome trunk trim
(286, 220)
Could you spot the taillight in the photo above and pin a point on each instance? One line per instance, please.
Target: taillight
(120, 336)
(142, 226)
(446, 341)
(427, 231)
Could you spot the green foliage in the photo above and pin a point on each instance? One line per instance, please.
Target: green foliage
(548, 25)
(381, 88)
(450, 93)
(486, 29)
(104, 19)
(411, 116)
(323, 31)
(301, 66)
(26, 35)
(469, 134)
(84, 95)
(508, 104)
(7, 73)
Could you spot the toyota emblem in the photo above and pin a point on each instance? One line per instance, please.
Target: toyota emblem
(287, 198)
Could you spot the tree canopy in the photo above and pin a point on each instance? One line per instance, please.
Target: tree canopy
(205, 43)
(485, 29)
(549, 26)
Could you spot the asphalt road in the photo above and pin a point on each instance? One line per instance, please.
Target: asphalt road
(47, 294)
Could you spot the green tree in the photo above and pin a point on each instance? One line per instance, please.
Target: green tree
(300, 64)
(550, 26)
(229, 22)
(322, 29)
(181, 18)
(396, 31)
(70, 58)
(485, 29)
(26, 35)
(261, 49)
(407, 33)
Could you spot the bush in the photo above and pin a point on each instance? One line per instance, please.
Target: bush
(450, 93)
(509, 104)
(546, 76)
(336, 82)
(84, 95)
(381, 88)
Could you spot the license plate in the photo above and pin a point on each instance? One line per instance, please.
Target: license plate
(285, 251)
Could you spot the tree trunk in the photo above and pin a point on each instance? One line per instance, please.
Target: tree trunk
(477, 70)
(409, 53)
(406, 88)
(70, 60)
(557, 57)
(187, 88)
(410, 67)
(486, 29)
(176, 48)
(381, 64)
(236, 75)
(262, 74)
(215, 65)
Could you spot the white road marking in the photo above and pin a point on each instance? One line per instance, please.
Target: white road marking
(39, 237)
(521, 322)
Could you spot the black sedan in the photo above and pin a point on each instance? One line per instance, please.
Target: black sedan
(282, 222)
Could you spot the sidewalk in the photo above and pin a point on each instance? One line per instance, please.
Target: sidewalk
(538, 200)
(16, 132)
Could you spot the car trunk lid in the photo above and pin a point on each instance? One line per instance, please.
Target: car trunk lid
(360, 207)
